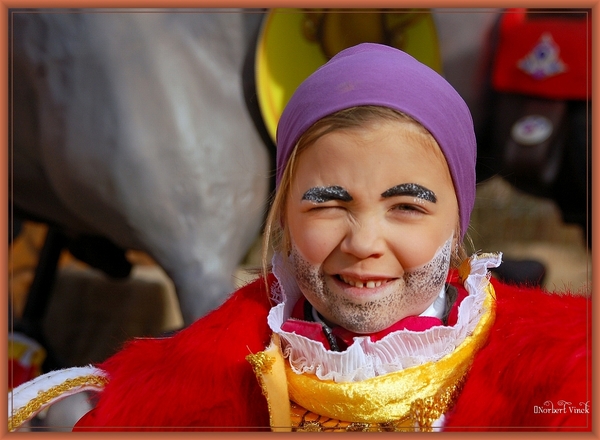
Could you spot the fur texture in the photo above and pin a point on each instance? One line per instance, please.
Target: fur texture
(538, 355)
(538, 352)
(197, 379)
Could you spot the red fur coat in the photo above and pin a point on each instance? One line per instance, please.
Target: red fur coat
(533, 374)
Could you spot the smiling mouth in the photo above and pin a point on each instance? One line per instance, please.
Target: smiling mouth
(365, 284)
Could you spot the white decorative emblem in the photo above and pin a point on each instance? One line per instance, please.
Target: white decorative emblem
(543, 60)
(531, 130)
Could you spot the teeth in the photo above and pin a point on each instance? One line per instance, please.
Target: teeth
(360, 284)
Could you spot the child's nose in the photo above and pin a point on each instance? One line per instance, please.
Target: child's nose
(364, 239)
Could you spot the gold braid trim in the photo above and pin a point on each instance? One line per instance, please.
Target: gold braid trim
(261, 363)
(422, 414)
(425, 411)
(307, 421)
(44, 397)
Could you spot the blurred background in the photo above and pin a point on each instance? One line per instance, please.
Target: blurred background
(142, 153)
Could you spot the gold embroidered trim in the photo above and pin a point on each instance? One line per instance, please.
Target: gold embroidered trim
(44, 397)
(268, 366)
(426, 411)
(307, 421)
(261, 362)
(423, 413)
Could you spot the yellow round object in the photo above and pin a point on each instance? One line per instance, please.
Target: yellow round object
(293, 43)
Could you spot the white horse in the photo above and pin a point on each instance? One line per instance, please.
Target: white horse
(132, 126)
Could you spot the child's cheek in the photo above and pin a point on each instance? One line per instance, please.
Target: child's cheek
(415, 247)
(316, 241)
(414, 253)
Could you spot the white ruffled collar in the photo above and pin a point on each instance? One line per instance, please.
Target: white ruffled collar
(365, 359)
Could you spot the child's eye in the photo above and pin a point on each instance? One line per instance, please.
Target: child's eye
(328, 208)
(408, 208)
(325, 208)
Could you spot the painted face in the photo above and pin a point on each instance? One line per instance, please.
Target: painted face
(370, 216)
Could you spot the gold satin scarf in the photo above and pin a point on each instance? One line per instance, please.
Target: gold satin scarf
(410, 399)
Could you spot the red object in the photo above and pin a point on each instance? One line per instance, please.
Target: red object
(546, 56)
(19, 373)
(196, 380)
(311, 330)
(536, 371)
(539, 351)
(25, 359)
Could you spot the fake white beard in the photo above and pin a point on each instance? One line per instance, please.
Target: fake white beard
(366, 359)
(414, 292)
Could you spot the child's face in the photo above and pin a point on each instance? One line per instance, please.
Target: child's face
(371, 215)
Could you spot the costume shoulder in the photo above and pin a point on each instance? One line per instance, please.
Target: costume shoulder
(535, 371)
(198, 378)
(31, 397)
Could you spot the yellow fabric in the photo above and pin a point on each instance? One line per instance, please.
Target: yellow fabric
(406, 400)
(289, 50)
(392, 396)
(306, 421)
(269, 368)
(18, 350)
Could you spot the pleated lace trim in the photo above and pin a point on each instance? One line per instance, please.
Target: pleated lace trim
(366, 359)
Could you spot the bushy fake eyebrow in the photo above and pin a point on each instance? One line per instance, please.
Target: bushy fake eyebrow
(322, 194)
(411, 189)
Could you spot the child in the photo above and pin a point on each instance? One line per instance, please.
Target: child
(371, 318)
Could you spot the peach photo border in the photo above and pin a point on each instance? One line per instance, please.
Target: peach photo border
(5, 5)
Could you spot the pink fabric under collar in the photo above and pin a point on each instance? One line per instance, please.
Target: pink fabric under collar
(345, 338)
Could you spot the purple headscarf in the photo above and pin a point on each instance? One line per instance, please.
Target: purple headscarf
(374, 74)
